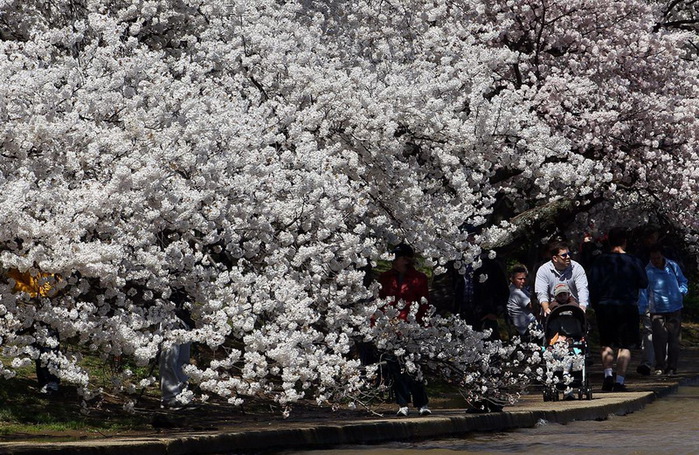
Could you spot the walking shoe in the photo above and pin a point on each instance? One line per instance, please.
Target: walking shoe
(425, 411)
(619, 387)
(670, 372)
(608, 384)
(643, 369)
(402, 411)
(658, 372)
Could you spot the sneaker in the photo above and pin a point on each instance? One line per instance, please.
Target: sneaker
(643, 369)
(658, 372)
(670, 372)
(424, 411)
(619, 387)
(402, 411)
(608, 384)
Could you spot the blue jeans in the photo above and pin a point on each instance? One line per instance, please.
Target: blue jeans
(172, 379)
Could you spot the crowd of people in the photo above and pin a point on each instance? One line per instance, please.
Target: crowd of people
(637, 301)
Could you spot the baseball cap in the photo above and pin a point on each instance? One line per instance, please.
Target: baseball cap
(559, 288)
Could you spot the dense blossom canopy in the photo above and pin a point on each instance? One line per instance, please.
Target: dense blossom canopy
(249, 160)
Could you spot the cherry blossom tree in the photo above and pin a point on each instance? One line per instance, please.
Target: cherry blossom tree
(681, 14)
(248, 161)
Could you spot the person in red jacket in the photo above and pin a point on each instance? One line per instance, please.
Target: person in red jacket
(409, 287)
(404, 283)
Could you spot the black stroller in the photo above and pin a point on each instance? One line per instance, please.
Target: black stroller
(567, 324)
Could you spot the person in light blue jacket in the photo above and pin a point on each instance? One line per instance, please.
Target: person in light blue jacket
(667, 287)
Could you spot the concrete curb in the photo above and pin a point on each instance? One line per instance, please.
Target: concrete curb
(445, 423)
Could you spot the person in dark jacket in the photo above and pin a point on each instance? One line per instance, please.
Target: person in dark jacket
(615, 281)
(479, 295)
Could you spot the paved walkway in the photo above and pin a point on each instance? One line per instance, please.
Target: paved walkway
(330, 429)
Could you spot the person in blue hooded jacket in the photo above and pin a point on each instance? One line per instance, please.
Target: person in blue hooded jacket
(667, 287)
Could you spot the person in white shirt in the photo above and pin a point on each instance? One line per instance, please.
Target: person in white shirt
(561, 269)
